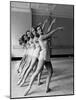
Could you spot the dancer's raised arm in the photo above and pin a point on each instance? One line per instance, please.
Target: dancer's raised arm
(46, 36)
(44, 23)
(53, 21)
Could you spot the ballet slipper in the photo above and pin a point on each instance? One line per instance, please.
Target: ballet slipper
(26, 92)
(48, 90)
(19, 81)
(40, 83)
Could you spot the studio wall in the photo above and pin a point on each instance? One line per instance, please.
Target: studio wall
(20, 23)
(61, 41)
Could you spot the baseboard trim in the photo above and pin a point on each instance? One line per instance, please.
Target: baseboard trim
(52, 56)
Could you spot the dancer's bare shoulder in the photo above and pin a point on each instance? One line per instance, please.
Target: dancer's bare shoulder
(41, 37)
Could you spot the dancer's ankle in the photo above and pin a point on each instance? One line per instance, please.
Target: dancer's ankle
(40, 83)
(48, 90)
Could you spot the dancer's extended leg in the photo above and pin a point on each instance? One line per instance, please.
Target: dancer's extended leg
(21, 76)
(21, 65)
(33, 63)
(39, 76)
(50, 70)
(24, 70)
(39, 67)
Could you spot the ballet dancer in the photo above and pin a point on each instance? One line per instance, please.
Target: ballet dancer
(34, 58)
(22, 42)
(35, 54)
(44, 58)
(27, 57)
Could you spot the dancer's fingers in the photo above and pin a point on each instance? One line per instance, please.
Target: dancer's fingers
(61, 28)
(54, 20)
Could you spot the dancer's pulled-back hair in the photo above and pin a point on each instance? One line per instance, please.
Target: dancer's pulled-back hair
(27, 32)
(36, 34)
(28, 38)
(40, 28)
(31, 35)
(23, 40)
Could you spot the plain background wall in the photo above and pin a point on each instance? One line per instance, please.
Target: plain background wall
(20, 22)
(62, 41)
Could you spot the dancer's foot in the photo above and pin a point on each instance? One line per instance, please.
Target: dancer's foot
(22, 83)
(26, 92)
(48, 90)
(19, 81)
(40, 83)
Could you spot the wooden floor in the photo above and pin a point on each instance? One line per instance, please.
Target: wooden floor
(61, 82)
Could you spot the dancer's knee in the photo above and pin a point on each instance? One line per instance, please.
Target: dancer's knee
(36, 73)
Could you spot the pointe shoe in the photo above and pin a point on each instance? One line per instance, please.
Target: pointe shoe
(48, 90)
(40, 83)
(26, 92)
(22, 83)
(19, 81)
(61, 28)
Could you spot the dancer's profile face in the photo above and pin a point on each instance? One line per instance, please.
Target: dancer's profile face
(25, 37)
(39, 30)
(28, 33)
(33, 31)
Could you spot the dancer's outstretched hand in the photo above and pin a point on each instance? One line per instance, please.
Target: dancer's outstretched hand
(61, 28)
(54, 20)
(46, 21)
(40, 23)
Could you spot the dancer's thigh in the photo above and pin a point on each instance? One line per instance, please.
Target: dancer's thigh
(48, 66)
(34, 61)
(35, 67)
(40, 65)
